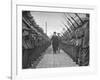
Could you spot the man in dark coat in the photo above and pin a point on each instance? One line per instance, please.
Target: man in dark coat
(55, 42)
(59, 40)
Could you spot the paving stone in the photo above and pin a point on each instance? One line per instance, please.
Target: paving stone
(51, 60)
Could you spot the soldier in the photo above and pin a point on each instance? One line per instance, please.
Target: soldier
(83, 54)
(79, 36)
(85, 46)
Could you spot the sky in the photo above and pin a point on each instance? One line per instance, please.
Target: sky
(53, 21)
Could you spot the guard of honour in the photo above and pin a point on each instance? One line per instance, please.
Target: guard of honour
(34, 46)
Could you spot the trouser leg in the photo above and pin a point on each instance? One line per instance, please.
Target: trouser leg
(85, 57)
(54, 50)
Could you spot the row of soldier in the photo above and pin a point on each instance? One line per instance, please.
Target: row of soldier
(80, 40)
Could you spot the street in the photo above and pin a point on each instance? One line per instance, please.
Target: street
(51, 60)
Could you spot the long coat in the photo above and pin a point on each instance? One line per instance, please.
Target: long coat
(55, 41)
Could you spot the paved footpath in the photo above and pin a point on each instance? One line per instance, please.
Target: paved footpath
(51, 60)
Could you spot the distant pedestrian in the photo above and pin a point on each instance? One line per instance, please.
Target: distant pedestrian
(54, 40)
(59, 40)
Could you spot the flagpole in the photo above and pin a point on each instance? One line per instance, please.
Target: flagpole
(46, 27)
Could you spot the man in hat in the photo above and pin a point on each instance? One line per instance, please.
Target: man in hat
(54, 40)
